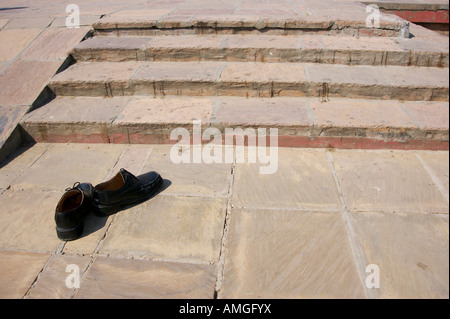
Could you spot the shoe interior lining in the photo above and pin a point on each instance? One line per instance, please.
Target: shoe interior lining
(70, 201)
(113, 184)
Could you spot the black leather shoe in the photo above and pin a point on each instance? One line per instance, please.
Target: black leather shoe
(124, 190)
(71, 209)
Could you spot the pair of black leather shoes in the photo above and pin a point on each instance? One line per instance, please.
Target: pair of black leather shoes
(121, 191)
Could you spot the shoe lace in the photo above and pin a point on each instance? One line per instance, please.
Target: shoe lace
(73, 187)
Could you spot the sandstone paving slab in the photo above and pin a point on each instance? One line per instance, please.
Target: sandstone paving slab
(410, 250)
(112, 278)
(64, 164)
(166, 111)
(99, 71)
(384, 181)
(136, 11)
(16, 91)
(288, 254)
(361, 113)
(437, 162)
(187, 71)
(51, 283)
(54, 44)
(364, 75)
(303, 180)
(17, 161)
(3, 22)
(85, 20)
(419, 76)
(279, 112)
(29, 22)
(189, 178)
(185, 48)
(259, 72)
(169, 227)
(78, 110)
(429, 116)
(186, 41)
(16, 40)
(18, 271)
(27, 220)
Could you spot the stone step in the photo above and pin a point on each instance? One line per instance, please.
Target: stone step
(338, 18)
(301, 122)
(251, 79)
(268, 48)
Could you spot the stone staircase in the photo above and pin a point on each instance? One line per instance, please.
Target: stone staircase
(320, 82)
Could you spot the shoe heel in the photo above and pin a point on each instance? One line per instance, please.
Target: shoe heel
(70, 234)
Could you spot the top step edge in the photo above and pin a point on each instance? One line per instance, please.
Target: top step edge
(112, 24)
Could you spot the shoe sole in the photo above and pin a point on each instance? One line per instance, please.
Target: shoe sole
(104, 211)
(71, 233)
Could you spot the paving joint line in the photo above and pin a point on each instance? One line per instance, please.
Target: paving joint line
(433, 176)
(357, 252)
(221, 262)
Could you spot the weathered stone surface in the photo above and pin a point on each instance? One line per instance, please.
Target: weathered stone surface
(188, 71)
(22, 230)
(113, 49)
(17, 161)
(3, 22)
(288, 254)
(417, 77)
(374, 181)
(54, 44)
(78, 110)
(75, 119)
(438, 163)
(411, 251)
(429, 116)
(86, 20)
(361, 113)
(29, 23)
(189, 178)
(260, 72)
(303, 181)
(147, 279)
(61, 166)
(19, 270)
(377, 51)
(253, 79)
(168, 227)
(17, 40)
(16, 91)
(52, 281)
(277, 112)
(95, 79)
(340, 74)
(166, 111)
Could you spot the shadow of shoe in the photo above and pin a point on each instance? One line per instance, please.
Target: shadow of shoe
(92, 223)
